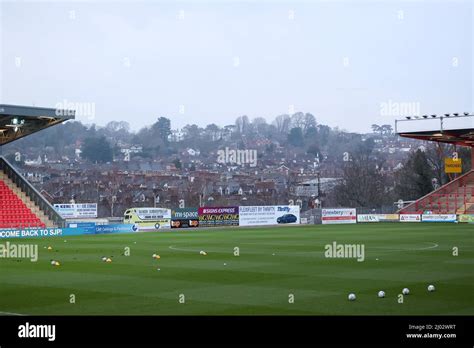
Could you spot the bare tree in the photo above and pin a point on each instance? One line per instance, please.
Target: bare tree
(242, 124)
(282, 123)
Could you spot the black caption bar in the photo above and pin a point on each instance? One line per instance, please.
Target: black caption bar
(193, 330)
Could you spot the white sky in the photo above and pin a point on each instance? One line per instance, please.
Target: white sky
(210, 62)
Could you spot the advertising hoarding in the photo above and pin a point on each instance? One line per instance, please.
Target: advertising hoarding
(377, 217)
(184, 217)
(438, 218)
(116, 228)
(410, 218)
(368, 218)
(269, 215)
(77, 211)
(87, 227)
(218, 216)
(466, 218)
(339, 216)
(40, 232)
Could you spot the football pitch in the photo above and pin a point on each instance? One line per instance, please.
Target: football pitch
(279, 270)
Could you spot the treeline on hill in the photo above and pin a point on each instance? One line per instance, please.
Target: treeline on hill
(366, 180)
(299, 132)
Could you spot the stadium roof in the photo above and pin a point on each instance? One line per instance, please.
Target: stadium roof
(450, 129)
(19, 121)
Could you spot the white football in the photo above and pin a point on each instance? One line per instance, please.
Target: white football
(351, 297)
(381, 294)
(431, 288)
(405, 291)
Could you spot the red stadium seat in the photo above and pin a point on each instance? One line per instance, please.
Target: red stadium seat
(13, 211)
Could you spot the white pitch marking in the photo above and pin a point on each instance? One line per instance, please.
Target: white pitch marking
(433, 246)
(178, 249)
(10, 313)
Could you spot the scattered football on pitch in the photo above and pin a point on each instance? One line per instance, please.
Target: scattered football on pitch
(351, 297)
(431, 288)
(405, 291)
(257, 284)
(381, 294)
(202, 252)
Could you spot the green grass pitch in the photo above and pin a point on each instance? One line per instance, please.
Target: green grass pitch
(273, 263)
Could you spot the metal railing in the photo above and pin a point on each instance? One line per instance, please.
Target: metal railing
(31, 192)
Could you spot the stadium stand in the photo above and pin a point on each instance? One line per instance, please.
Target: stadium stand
(21, 205)
(13, 210)
(456, 197)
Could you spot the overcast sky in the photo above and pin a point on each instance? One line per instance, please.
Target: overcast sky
(349, 63)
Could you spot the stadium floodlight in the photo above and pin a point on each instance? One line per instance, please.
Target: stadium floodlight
(408, 117)
(456, 114)
(434, 115)
(447, 115)
(466, 114)
(425, 116)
